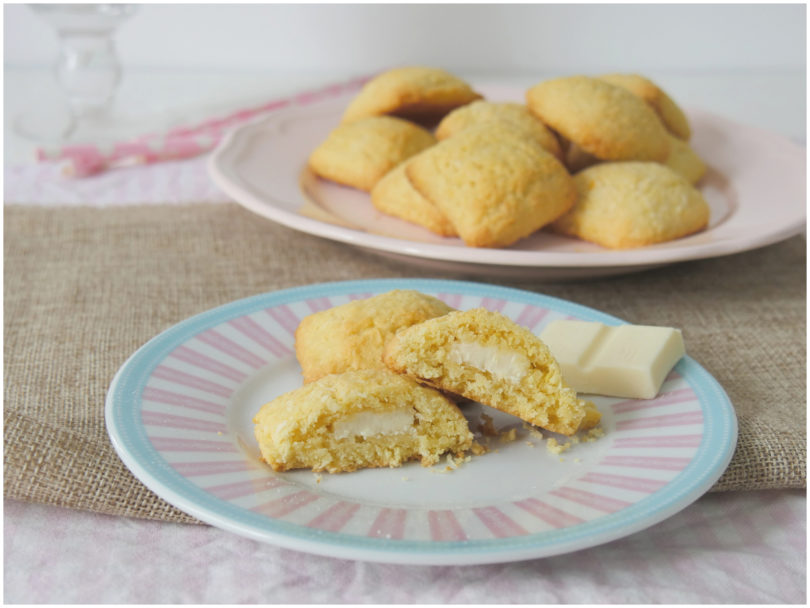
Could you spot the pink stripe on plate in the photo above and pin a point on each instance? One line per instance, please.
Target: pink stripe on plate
(237, 489)
(284, 316)
(335, 517)
(172, 444)
(260, 336)
(178, 377)
(553, 516)
(637, 484)
(664, 441)
(193, 469)
(677, 396)
(192, 357)
(390, 523)
(590, 499)
(319, 304)
(659, 463)
(360, 296)
(451, 299)
(445, 526)
(498, 522)
(531, 316)
(157, 395)
(213, 338)
(650, 422)
(286, 504)
(181, 422)
(495, 304)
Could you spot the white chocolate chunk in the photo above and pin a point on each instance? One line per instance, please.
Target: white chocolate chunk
(502, 363)
(629, 361)
(370, 424)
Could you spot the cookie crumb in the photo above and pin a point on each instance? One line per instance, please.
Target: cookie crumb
(508, 436)
(487, 427)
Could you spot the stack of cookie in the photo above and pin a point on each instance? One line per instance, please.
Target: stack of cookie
(382, 376)
(602, 159)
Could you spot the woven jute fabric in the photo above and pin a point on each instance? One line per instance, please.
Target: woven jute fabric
(85, 287)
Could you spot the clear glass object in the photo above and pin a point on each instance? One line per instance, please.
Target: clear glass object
(87, 70)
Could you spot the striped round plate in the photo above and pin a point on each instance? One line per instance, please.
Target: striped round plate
(179, 415)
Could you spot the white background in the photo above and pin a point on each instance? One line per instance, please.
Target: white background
(366, 37)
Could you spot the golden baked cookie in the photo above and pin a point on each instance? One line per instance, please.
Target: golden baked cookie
(668, 111)
(684, 160)
(633, 204)
(395, 195)
(358, 419)
(516, 114)
(485, 356)
(494, 183)
(358, 154)
(413, 92)
(603, 119)
(352, 335)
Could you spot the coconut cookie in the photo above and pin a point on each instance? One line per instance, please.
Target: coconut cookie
(395, 195)
(515, 114)
(668, 111)
(604, 119)
(359, 154)
(352, 336)
(487, 357)
(413, 92)
(684, 160)
(494, 183)
(359, 419)
(633, 204)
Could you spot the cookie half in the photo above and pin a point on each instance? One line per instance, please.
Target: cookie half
(669, 112)
(604, 119)
(516, 114)
(359, 154)
(352, 336)
(395, 195)
(413, 92)
(359, 419)
(494, 183)
(633, 204)
(487, 357)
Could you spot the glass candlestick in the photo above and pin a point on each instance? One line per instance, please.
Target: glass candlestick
(87, 69)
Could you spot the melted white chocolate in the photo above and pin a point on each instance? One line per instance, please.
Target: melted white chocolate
(503, 363)
(371, 424)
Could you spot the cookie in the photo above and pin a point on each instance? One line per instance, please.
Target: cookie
(633, 204)
(684, 160)
(487, 357)
(360, 153)
(352, 336)
(494, 183)
(415, 92)
(359, 419)
(604, 119)
(395, 195)
(668, 111)
(515, 114)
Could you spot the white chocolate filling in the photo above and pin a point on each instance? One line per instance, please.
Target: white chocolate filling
(503, 363)
(371, 424)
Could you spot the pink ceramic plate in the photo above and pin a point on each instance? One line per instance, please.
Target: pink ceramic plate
(755, 188)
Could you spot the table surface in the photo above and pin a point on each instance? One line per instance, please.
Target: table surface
(726, 547)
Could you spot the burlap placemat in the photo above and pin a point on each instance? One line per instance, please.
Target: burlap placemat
(85, 287)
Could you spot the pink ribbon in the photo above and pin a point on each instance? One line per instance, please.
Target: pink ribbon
(178, 143)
